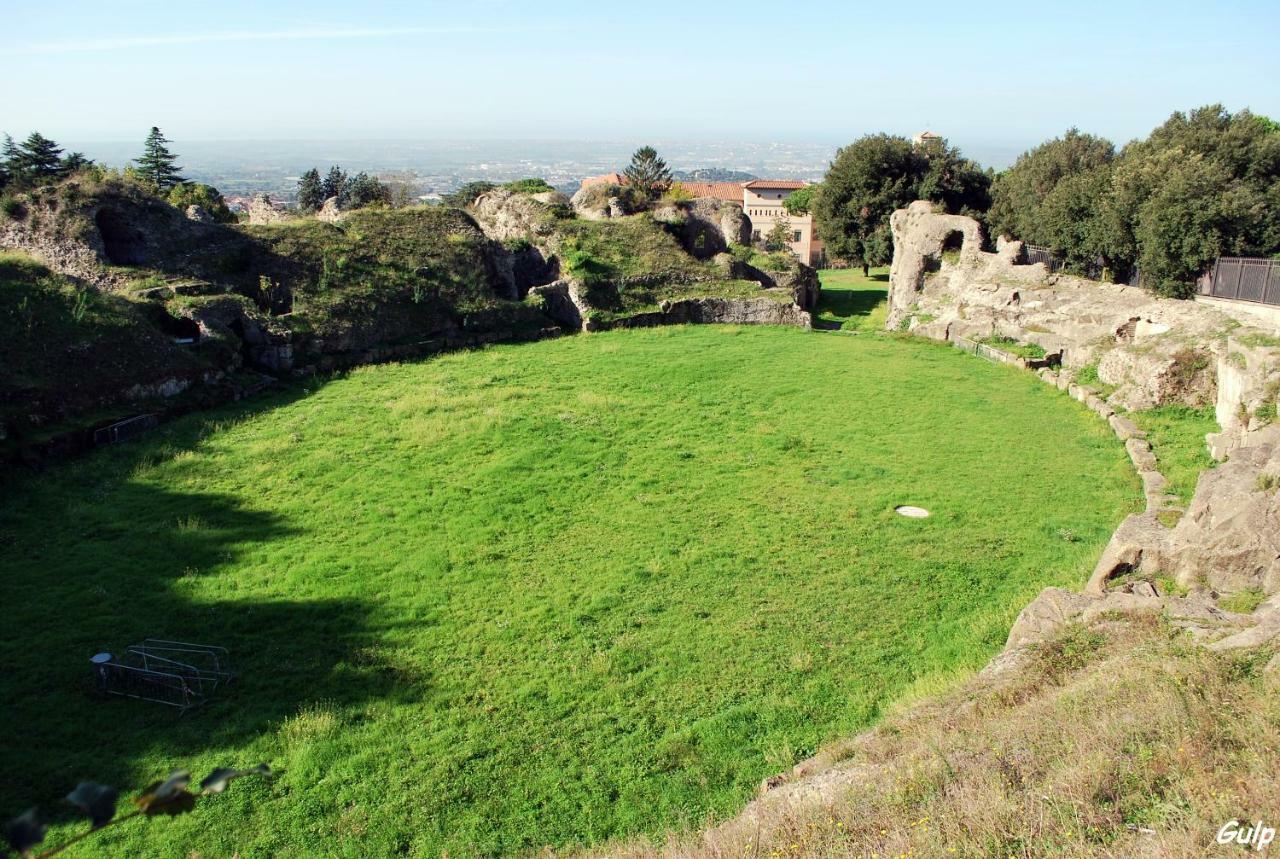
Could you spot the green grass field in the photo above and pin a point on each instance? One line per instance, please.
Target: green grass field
(544, 594)
(851, 302)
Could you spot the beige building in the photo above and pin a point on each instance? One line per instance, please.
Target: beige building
(761, 201)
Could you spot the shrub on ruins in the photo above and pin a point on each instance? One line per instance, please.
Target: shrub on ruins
(468, 193)
(206, 197)
(529, 186)
(879, 173)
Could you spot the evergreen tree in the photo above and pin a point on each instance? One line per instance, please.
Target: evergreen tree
(335, 184)
(75, 161)
(365, 190)
(310, 191)
(157, 164)
(38, 158)
(648, 173)
(8, 160)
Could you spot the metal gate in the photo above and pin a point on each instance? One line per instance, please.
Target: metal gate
(1245, 279)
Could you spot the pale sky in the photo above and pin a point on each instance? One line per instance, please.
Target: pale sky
(796, 71)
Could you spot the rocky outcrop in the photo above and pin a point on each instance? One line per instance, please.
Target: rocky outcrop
(505, 215)
(598, 202)
(733, 311)
(1152, 350)
(330, 211)
(705, 227)
(262, 212)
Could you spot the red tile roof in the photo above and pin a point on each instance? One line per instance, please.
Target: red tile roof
(731, 191)
(781, 184)
(606, 179)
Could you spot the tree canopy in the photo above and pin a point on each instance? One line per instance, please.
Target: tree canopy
(36, 159)
(158, 165)
(648, 173)
(879, 173)
(1202, 185)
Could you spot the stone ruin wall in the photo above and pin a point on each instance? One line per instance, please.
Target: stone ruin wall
(1148, 351)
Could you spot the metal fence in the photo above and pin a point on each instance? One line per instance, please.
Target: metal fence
(1244, 279)
(124, 430)
(1053, 262)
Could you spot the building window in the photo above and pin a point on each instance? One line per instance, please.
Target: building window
(795, 236)
(755, 235)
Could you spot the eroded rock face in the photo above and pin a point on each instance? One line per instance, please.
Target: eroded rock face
(1229, 538)
(330, 211)
(262, 212)
(734, 311)
(1153, 350)
(505, 216)
(705, 227)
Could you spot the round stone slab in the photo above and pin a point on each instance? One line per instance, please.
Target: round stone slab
(911, 512)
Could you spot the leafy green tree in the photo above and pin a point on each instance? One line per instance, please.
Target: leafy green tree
(158, 165)
(8, 160)
(778, 238)
(365, 190)
(648, 173)
(310, 191)
(800, 201)
(1202, 185)
(335, 184)
(1019, 193)
(206, 197)
(958, 183)
(468, 193)
(37, 158)
(866, 182)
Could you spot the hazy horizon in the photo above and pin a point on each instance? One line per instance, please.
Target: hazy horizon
(494, 70)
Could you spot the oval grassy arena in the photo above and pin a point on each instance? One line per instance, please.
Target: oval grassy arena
(544, 594)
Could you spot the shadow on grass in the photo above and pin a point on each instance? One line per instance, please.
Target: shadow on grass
(850, 302)
(95, 559)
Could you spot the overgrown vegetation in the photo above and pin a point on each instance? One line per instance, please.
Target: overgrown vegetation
(879, 173)
(1177, 436)
(1014, 347)
(1202, 185)
(1023, 766)
(524, 597)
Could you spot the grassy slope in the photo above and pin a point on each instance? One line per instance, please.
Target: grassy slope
(407, 269)
(853, 302)
(1118, 740)
(541, 594)
(56, 336)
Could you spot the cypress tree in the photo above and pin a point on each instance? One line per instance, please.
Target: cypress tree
(310, 191)
(157, 164)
